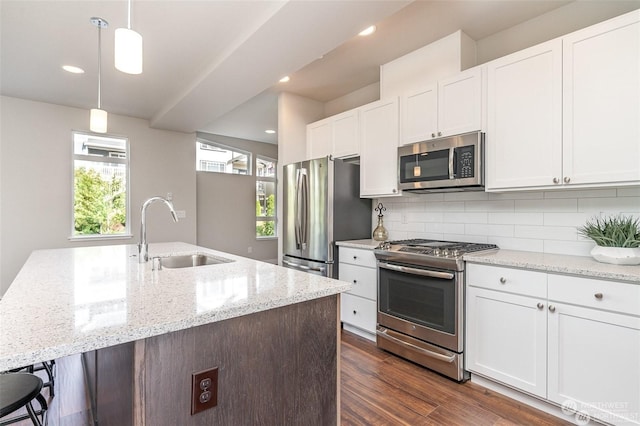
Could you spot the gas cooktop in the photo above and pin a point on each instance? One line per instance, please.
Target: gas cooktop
(433, 253)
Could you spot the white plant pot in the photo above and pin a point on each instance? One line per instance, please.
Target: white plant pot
(616, 255)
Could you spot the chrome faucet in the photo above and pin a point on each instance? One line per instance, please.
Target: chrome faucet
(143, 247)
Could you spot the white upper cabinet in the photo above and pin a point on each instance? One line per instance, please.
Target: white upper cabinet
(566, 113)
(337, 135)
(524, 127)
(601, 133)
(451, 107)
(379, 149)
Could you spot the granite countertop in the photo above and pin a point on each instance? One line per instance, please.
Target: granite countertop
(361, 244)
(67, 301)
(548, 262)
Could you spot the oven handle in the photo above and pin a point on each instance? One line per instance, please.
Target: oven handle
(423, 272)
(439, 357)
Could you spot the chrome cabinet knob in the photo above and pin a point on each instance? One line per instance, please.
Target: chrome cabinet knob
(503, 280)
(598, 296)
(439, 133)
(552, 308)
(394, 190)
(556, 180)
(540, 305)
(433, 135)
(567, 179)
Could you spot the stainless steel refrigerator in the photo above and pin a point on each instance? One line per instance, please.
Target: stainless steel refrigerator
(322, 205)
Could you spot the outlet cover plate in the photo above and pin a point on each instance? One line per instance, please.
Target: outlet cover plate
(204, 390)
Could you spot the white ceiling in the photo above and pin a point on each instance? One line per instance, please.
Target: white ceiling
(213, 65)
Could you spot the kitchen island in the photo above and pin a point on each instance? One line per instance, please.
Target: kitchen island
(271, 332)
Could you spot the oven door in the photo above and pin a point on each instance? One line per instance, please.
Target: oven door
(423, 303)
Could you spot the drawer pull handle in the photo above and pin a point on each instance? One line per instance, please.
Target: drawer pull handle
(552, 308)
(355, 281)
(355, 257)
(354, 312)
(540, 305)
(503, 280)
(598, 296)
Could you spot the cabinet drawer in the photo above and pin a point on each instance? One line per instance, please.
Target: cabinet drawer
(595, 293)
(363, 279)
(518, 281)
(359, 257)
(358, 312)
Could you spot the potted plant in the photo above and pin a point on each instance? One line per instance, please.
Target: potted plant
(617, 239)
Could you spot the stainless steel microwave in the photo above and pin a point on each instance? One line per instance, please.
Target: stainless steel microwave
(449, 164)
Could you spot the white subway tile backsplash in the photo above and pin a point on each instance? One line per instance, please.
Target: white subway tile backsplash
(516, 218)
(489, 205)
(466, 196)
(546, 232)
(629, 192)
(597, 205)
(547, 205)
(465, 217)
(576, 248)
(489, 230)
(529, 221)
(565, 219)
(581, 193)
(523, 244)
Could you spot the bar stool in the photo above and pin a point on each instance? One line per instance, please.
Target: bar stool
(49, 367)
(18, 390)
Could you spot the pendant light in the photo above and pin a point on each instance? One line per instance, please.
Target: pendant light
(128, 48)
(98, 120)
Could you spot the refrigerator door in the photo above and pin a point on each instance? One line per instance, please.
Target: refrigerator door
(306, 205)
(310, 266)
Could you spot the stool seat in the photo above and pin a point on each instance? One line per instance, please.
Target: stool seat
(17, 390)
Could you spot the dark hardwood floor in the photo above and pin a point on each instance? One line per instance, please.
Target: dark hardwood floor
(377, 388)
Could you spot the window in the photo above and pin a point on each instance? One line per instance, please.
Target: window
(265, 197)
(213, 157)
(100, 183)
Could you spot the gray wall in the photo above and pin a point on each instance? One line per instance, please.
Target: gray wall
(227, 205)
(36, 179)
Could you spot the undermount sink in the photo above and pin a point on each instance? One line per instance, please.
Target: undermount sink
(190, 260)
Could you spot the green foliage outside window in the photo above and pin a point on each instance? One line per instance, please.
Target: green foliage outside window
(266, 228)
(100, 205)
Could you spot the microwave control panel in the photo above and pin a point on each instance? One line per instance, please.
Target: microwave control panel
(464, 161)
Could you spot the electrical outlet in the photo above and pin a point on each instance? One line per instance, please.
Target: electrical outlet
(204, 390)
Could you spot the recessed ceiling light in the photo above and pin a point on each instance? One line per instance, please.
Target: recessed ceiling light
(285, 79)
(270, 131)
(368, 31)
(72, 69)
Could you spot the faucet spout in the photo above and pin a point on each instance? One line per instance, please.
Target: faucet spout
(143, 247)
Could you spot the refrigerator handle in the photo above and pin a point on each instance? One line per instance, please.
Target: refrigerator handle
(297, 203)
(305, 210)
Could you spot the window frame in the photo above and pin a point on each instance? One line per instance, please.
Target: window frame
(271, 179)
(107, 159)
(227, 148)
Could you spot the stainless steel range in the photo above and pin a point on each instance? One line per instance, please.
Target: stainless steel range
(421, 302)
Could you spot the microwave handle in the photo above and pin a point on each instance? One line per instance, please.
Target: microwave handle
(452, 156)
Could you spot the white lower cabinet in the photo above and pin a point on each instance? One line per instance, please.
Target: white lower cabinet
(577, 345)
(359, 306)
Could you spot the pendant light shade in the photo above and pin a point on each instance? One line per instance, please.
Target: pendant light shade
(128, 48)
(98, 118)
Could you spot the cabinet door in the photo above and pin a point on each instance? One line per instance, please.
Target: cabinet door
(419, 115)
(460, 103)
(594, 362)
(507, 339)
(379, 149)
(319, 139)
(602, 102)
(524, 133)
(345, 135)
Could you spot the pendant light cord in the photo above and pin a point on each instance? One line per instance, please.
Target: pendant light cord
(99, 62)
(129, 16)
